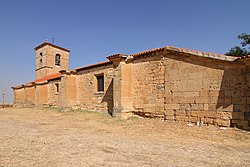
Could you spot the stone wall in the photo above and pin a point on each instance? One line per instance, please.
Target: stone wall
(237, 90)
(19, 97)
(41, 95)
(45, 61)
(88, 98)
(190, 89)
(29, 96)
(54, 93)
(148, 86)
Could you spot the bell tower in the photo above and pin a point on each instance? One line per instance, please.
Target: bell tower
(50, 59)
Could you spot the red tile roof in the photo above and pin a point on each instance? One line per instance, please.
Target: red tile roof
(49, 77)
(107, 62)
(46, 78)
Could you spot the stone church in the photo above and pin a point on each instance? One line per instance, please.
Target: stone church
(173, 84)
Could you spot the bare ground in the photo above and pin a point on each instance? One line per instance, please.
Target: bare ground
(32, 137)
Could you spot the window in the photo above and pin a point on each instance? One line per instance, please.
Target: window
(58, 60)
(57, 87)
(41, 57)
(100, 83)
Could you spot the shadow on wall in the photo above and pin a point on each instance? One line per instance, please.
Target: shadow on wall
(233, 95)
(108, 98)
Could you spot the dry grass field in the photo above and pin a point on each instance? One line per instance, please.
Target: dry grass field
(47, 137)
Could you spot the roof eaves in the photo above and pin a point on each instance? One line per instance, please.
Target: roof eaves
(202, 54)
(187, 51)
(107, 62)
(49, 77)
(50, 44)
(243, 57)
(144, 53)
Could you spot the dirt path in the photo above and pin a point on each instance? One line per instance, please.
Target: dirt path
(30, 137)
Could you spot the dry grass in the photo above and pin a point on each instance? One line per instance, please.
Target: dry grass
(32, 137)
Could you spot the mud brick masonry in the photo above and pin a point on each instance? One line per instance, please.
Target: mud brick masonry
(170, 83)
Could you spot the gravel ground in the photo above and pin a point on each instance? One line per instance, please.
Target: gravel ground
(47, 137)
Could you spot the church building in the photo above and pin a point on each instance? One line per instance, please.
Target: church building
(169, 83)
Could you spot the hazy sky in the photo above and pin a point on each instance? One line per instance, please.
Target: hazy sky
(95, 29)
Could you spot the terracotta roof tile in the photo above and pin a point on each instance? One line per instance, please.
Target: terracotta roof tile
(147, 52)
(49, 77)
(107, 62)
(243, 57)
(202, 54)
(187, 51)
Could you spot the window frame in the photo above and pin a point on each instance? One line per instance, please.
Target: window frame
(100, 82)
(57, 86)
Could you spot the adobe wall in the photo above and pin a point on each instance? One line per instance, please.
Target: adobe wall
(41, 95)
(30, 96)
(19, 97)
(87, 96)
(190, 89)
(69, 91)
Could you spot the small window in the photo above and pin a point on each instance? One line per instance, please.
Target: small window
(100, 83)
(57, 87)
(41, 57)
(58, 60)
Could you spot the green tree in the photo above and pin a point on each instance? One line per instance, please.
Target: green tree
(243, 50)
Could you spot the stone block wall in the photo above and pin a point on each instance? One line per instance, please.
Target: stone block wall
(239, 95)
(88, 98)
(191, 89)
(148, 86)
